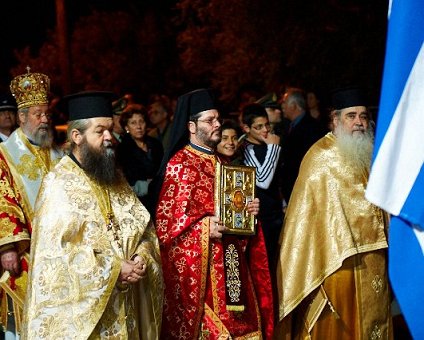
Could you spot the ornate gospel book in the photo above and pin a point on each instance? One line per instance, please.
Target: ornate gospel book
(234, 189)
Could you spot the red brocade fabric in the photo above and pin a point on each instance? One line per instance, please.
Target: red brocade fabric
(193, 264)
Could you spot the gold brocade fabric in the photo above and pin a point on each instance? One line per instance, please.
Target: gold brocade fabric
(22, 168)
(359, 303)
(328, 220)
(73, 291)
(25, 167)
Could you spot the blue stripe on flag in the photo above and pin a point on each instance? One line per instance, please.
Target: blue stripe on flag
(405, 37)
(407, 276)
(406, 260)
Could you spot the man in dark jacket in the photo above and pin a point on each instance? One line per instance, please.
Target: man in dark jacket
(303, 132)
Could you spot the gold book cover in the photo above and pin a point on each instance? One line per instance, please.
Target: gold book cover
(234, 189)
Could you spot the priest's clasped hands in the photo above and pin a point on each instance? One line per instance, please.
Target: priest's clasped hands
(132, 270)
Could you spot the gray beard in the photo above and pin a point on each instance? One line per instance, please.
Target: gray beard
(42, 138)
(356, 149)
(100, 165)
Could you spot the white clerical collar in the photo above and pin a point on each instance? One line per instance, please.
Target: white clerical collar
(3, 137)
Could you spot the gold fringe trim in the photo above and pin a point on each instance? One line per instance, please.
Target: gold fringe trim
(233, 308)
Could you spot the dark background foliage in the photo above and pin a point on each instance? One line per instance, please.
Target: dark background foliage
(164, 46)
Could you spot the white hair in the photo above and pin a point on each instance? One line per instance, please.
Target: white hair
(356, 149)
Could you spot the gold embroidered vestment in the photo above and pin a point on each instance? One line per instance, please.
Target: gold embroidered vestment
(333, 252)
(73, 290)
(22, 168)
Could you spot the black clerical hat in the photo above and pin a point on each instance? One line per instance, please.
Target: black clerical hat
(89, 104)
(196, 101)
(188, 104)
(348, 97)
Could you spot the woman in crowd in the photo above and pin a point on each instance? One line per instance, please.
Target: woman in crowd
(138, 154)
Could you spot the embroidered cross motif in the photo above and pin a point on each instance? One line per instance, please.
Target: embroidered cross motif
(377, 284)
(376, 333)
(233, 274)
(29, 166)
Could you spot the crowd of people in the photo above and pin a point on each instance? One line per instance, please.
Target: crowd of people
(112, 232)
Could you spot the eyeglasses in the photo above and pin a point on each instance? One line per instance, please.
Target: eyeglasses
(211, 121)
(38, 115)
(259, 127)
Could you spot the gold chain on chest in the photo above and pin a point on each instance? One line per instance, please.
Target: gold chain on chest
(112, 226)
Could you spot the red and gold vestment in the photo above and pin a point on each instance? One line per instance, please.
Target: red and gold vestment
(22, 168)
(193, 264)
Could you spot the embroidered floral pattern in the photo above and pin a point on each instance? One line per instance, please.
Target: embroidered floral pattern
(233, 274)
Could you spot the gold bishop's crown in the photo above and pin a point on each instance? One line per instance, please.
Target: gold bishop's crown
(30, 89)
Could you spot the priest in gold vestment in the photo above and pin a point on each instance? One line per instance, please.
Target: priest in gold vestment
(332, 273)
(25, 158)
(95, 269)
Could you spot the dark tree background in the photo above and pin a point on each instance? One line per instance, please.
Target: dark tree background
(147, 47)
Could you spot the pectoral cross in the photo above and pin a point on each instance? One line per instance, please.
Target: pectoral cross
(111, 223)
(114, 227)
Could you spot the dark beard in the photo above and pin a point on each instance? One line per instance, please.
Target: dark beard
(100, 165)
(211, 143)
(202, 135)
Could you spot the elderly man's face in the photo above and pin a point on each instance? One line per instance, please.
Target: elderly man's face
(354, 120)
(96, 151)
(36, 125)
(99, 135)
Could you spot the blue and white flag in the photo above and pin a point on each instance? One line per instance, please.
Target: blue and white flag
(397, 176)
